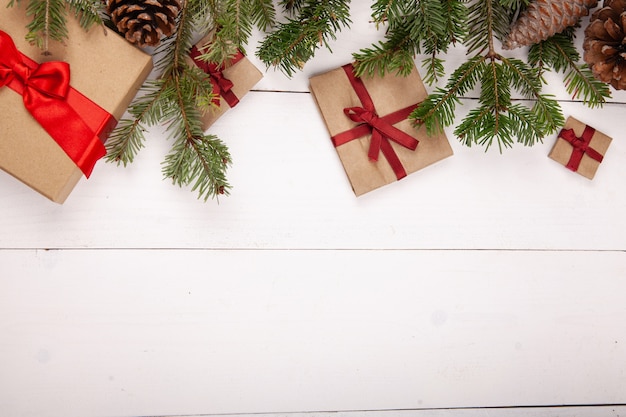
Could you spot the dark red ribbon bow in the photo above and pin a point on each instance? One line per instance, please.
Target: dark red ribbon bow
(381, 128)
(222, 86)
(581, 146)
(47, 94)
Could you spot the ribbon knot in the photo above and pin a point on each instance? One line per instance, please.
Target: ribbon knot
(222, 86)
(22, 71)
(361, 115)
(581, 146)
(217, 77)
(381, 128)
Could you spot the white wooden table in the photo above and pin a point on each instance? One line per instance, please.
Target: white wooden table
(485, 285)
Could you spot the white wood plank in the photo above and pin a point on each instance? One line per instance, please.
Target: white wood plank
(162, 332)
(560, 411)
(290, 191)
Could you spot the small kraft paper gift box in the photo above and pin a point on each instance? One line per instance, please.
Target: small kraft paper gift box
(580, 148)
(230, 82)
(368, 116)
(58, 109)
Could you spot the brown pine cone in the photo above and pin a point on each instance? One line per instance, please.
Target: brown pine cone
(604, 45)
(144, 22)
(545, 18)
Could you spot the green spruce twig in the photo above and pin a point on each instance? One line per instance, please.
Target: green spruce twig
(425, 27)
(182, 92)
(559, 53)
(48, 19)
(196, 159)
(496, 117)
(313, 25)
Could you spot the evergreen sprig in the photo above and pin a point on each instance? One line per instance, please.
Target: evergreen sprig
(48, 19)
(559, 53)
(309, 25)
(234, 21)
(423, 27)
(497, 117)
(174, 100)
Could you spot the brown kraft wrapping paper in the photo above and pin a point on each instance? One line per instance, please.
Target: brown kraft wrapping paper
(104, 67)
(244, 76)
(562, 150)
(333, 93)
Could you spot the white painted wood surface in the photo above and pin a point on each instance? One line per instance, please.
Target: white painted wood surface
(486, 280)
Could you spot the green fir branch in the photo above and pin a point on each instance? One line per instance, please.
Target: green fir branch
(495, 118)
(425, 26)
(176, 100)
(395, 54)
(547, 111)
(294, 42)
(233, 23)
(48, 19)
(195, 159)
(263, 14)
(128, 137)
(438, 109)
(291, 6)
(87, 12)
(560, 54)
(48, 22)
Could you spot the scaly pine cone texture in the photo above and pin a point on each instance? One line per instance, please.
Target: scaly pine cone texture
(605, 43)
(144, 22)
(545, 18)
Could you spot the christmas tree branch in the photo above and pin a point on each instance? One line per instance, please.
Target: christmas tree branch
(427, 26)
(496, 117)
(175, 100)
(49, 18)
(559, 53)
(295, 41)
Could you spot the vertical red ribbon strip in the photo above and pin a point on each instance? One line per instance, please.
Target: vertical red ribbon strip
(50, 99)
(581, 146)
(381, 128)
(222, 86)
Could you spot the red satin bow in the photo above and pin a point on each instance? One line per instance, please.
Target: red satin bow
(581, 146)
(51, 101)
(222, 86)
(381, 128)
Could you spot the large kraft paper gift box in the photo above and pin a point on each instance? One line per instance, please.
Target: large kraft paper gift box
(104, 68)
(368, 116)
(231, 82)
(580, 148)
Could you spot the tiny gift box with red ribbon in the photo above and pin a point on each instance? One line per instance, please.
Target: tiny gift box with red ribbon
(367, 119)
(57, 110)
(230, 82)
(580, 148)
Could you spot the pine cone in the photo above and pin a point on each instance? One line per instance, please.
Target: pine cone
(605, 43)
(545, 18)
(144, 22)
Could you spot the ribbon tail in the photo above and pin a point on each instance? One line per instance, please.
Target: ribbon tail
(74, 136)
(574, 159)
(375, 145)
(393, 159)
(231, 99)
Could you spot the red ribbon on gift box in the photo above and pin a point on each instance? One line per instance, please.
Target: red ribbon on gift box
(77, 124)
(222, 86)
(581, 146)
(381, 128)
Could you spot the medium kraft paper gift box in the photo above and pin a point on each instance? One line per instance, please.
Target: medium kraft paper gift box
(340, 95)
(104, 68)
(230, 83)
(580, 148)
